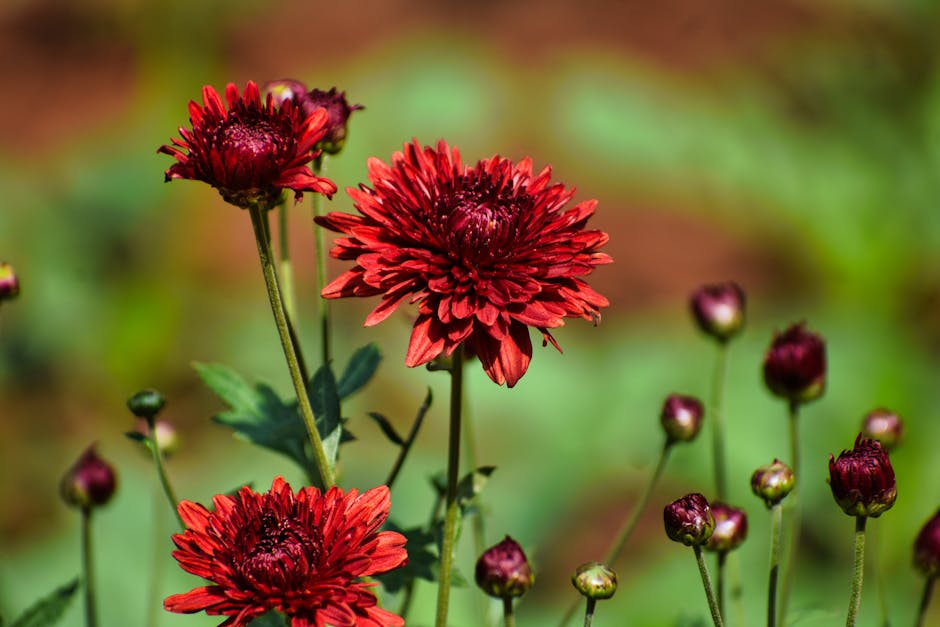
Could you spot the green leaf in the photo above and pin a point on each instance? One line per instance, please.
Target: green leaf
(325, 401)
(258, 415)
(361, 367)
(386, 428)
(471, 485)
(422, 559)
(48, 610)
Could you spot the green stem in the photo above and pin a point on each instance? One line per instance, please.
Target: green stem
(91, 619)
(776, 512)
(717, 420)
(722, 559)
(925, 600)
(793, 507)
(453, 469)
(326, 318)
(157, 551)
(707, 584)
(857, 572)
(508, 616)
(589, 612)
(285, 265)
(629, 524)
(409, 441)
(161, 472)
(288, 344)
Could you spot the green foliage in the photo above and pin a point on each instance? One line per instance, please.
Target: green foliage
(360, 369)
(48, 610)
(423, 557)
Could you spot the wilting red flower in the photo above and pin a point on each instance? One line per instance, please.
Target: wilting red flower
(252, 151)
(302, 554)
(862, 480)
(486, 251)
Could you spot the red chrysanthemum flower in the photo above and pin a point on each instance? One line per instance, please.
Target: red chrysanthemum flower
(253, 150)
(486, 251)
(302, 554)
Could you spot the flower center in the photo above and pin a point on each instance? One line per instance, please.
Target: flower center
(252, 147)
(482, 224)
(282, 555)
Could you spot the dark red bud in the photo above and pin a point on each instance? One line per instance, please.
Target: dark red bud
(689, 520)
(927, 547)
(862, 480)
(681, 417)
(883, 425)
(719, 309)
(730, 528)
(503, 570)
(90, 482)
(795, 365)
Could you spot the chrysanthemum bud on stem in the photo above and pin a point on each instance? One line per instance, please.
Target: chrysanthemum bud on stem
(772, 483)
(689, 521)
(927, 560)
(883, 425)
(503, 572)
(719, 310)
(862, 482)
(88, 484)
(596, 582)
(146, 404)
(681, 417)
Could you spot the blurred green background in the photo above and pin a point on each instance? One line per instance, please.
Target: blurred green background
(793, 146)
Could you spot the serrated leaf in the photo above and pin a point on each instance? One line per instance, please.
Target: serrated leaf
(325, 401)
(386, 428)
(258, 415)
(48, 610)
(360, 369)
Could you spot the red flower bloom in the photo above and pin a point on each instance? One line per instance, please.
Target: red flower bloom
(303, 554)
(252, 151)
(486, 251)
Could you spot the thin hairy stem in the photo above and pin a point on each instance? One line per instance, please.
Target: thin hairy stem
(589, 612)
(453, 470)
(925, 601)
(776, 513)
(509, 618)
(707, 584)
(857, 572)
(794, 511)
(91, 614)
(258, 222)
(161, 472)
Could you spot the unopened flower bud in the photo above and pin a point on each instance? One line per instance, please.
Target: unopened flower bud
(689, 520)
(927, 547)
(862, 480)
(730, 528)
(795, 365)
(9, 283)
(719, 309)
(284, 90)
(772, 482)
(503, 570)
(168, 441)
(339, 111)
(146, 404)
(595, 580)
(681, 417)
(883, 425)
(90, 482)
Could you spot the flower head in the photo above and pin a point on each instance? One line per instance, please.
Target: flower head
(337, 108)
(883, 425)
(90, 482)
(862, 480)
(681, 417)
(485, 251)
(303, 554)
(250, 151)
(719, 309)
(595, 580)
(689, 520)
(795, 365)
(503, 570)
(146, 404)
(9, 284)
(730, 528)
(927, 547)
(773, 482)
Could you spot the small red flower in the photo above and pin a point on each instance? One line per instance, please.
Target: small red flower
(485, 251)
(251, 151)
(302, 554)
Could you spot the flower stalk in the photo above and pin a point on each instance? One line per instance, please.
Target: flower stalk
(453, 468)
(91, 615)
(857, 571)
(707, 584)
(717, 420)
(325, 313)
(776, 513)
(259, 225)
(165, 484)
(925, 601)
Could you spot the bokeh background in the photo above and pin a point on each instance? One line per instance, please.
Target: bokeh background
(792, 146)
